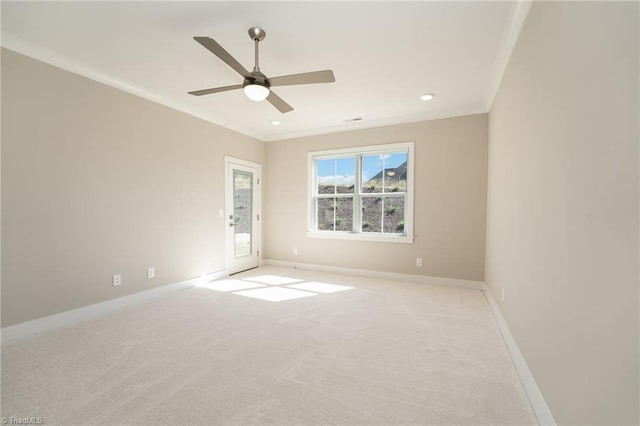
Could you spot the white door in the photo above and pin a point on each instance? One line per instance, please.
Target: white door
(243, 210)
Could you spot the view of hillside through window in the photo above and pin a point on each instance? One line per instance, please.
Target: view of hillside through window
(373, 184)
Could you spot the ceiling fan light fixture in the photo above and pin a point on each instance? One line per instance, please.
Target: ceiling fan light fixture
(256, 92)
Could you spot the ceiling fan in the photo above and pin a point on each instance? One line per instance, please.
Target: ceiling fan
(256, 85)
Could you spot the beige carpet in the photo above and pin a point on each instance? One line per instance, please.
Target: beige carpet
(360, 351)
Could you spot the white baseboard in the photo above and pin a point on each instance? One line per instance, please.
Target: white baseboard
(28, 329)
(422, 279)
(538, 403)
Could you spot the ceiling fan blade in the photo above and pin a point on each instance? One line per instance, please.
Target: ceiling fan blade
(215, 90)
(277, 102)
(213, 46)
(313, 77)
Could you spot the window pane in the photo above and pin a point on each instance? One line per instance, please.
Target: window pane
(393, 215)
(384, 172)
(344, 214)
(336, 176)
(335, 214)
(395, 172)
(371, 173)
(326, 213)
(345, 175)
(372, 214)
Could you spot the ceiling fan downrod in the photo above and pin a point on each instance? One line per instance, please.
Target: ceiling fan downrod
(257, 35)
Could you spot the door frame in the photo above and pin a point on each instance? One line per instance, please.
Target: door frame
(229, 161)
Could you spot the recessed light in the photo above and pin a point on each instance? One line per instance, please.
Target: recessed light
(275, 122)
(427, 97)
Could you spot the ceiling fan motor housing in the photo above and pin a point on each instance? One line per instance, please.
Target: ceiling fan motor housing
(256, 77)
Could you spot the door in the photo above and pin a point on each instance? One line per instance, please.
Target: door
(243, 210)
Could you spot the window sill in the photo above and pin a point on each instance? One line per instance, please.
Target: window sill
(330, 235)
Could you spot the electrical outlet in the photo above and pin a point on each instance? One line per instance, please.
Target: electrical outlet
(151, 272)
(117, 280)
(419, 262)
(295, 251)
(502, 295)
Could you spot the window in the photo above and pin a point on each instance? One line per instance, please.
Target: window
(363, 193)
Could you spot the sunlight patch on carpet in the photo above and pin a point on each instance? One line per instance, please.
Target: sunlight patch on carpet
(273, 288)
(319, 287)
(272, 279)
(230, 285)
(275, 294)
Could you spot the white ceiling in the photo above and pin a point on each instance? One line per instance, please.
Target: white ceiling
(384, 55)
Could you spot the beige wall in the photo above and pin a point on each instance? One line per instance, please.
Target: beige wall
(450, 200)
(562, 228)
(96, 182)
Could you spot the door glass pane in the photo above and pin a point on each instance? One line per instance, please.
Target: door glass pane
(242, 212)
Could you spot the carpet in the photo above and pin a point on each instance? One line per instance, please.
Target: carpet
(274, 346)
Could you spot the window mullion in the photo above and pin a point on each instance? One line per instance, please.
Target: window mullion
(383, 200)
(357, 198)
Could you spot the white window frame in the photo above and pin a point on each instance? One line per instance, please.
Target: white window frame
(312, 232)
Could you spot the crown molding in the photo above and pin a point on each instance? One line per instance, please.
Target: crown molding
(517, 17)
